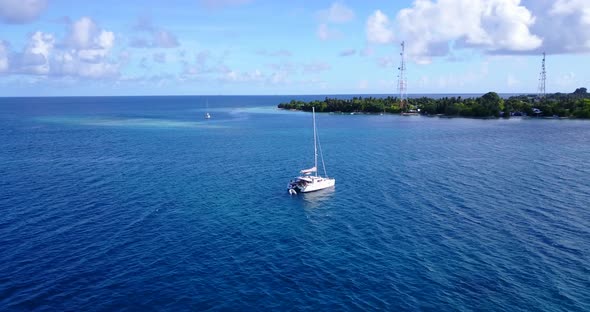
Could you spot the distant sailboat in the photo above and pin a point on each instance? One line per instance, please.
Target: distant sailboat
(207, 115)
(309, 180)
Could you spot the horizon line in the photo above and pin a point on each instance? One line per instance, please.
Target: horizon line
(310, 94)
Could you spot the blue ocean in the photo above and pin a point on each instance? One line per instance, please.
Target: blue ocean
(140, 203)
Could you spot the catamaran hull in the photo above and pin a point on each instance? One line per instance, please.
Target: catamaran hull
(312, 187)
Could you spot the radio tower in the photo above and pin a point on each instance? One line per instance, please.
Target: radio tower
(402, 83)
(542, 79)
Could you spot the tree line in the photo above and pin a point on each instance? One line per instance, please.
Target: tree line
(576, 104)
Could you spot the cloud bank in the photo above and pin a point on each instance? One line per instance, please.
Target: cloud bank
(490, 25)
(21, 11)
(84, 52)
(434, 28)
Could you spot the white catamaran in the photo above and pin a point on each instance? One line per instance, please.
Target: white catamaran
(309, 180)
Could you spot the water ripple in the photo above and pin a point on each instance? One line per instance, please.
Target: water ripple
(150, 210)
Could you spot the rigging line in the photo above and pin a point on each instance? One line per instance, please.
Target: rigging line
(321, 155)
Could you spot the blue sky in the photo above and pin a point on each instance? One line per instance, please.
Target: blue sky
(193, 47)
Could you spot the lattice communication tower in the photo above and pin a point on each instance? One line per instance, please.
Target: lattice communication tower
(542, 79)
(402, 83)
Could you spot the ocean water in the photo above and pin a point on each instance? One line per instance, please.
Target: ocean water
(139, 203)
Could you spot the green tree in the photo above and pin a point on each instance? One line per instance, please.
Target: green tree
(490, 103)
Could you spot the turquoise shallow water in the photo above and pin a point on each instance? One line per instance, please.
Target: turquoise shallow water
(141, 204)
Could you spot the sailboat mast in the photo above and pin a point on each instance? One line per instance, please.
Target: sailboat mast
(315, 145)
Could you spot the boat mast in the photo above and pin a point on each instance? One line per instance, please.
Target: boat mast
(315, 145)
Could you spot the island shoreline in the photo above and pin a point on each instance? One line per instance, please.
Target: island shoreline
(574, 105)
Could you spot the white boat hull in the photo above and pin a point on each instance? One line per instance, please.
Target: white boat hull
(318, 185)
(314, 185)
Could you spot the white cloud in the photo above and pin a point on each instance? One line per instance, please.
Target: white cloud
(151, 36)
(575, 7)
(35, 59)
(325, 33)
(91, 45)
(88, 41)
(3, 57)
(69, 65)
(236, 76)
(564, 26)
(337, 13)
(21, 11)
(85, 52)
(83, 34)
(378, 28)
(106, 39)
(493, 25)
